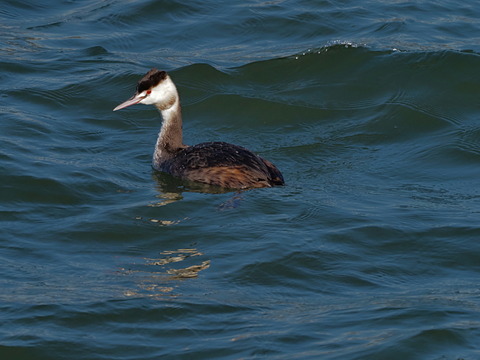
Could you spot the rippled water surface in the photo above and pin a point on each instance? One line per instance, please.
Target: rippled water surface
(371, 251)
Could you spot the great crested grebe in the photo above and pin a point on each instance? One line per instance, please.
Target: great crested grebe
(213, 163)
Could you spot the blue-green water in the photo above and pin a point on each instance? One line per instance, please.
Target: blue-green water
(372, 249)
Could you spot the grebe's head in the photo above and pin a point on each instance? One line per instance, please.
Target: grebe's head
(155, 88)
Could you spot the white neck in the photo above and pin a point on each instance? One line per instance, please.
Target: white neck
(170, 137)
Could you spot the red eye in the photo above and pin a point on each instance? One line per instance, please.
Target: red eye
(149, 92)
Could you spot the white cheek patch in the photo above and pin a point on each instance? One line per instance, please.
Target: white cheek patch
(163, 95)
(147, 99)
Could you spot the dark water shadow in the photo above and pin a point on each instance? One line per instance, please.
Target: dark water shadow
(169, 184)
(171, 189)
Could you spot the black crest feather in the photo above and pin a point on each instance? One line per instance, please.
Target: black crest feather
(151, 79)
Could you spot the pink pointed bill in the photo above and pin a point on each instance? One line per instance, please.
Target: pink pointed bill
(132, 101)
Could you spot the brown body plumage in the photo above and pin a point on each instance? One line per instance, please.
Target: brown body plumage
(213, 163)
